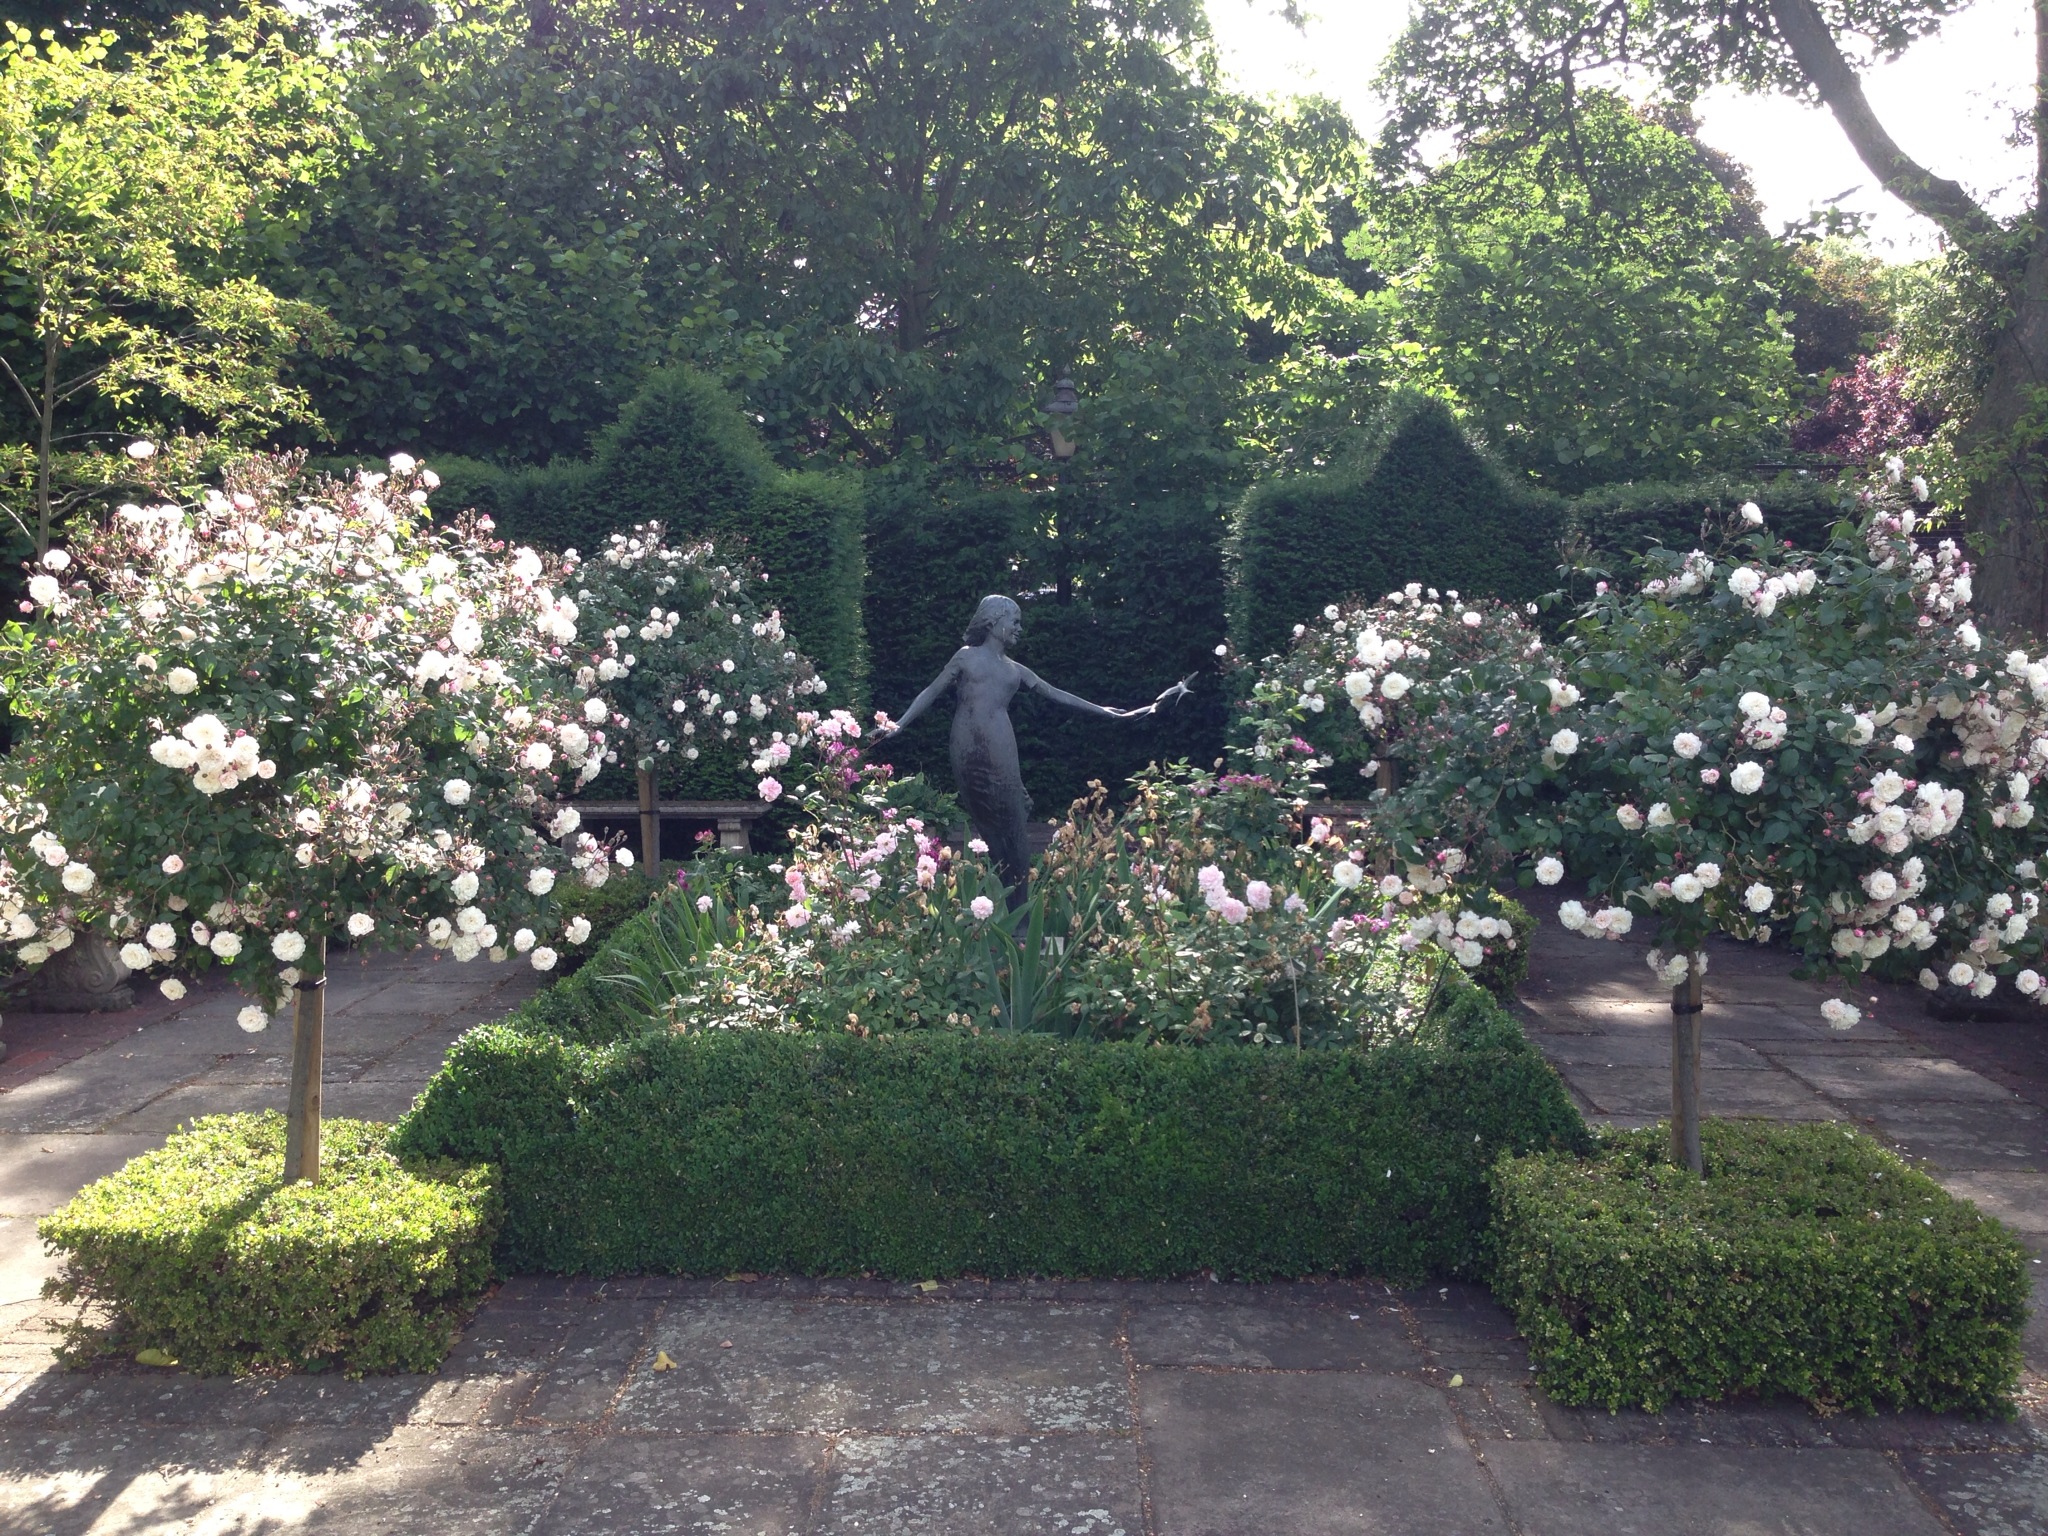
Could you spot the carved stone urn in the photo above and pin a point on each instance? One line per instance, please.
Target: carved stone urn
(85, 977)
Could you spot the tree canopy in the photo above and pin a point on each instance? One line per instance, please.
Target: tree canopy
(922, 212)
(1592, 298)
(1476, 68)
(133, 205)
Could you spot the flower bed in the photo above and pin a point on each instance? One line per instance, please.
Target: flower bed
(937, 1152)
(1810, 1263)
(203, 1253)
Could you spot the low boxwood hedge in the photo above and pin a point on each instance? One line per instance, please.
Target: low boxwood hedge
(1810, 1263)
(924, 1154)
(201, 1252)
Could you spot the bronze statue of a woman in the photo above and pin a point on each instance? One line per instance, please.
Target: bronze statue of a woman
(985, 767)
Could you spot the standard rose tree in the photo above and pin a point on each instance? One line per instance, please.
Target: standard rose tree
(291, 713)
(676, 657)
(1757, 742)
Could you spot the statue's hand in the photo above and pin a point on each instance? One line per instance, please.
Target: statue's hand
(1179, 690)
(881, 733)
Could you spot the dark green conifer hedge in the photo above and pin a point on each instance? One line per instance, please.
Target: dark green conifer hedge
(1418, 502)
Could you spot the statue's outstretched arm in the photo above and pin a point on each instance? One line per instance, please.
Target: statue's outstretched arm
(933, 691)
(1076, 702)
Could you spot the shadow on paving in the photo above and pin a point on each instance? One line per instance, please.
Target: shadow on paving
(801, 1408)
(1098, 1408)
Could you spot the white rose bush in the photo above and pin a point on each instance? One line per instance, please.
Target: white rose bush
(677, 661)
(1375, 695)
(1754, 742)
(289, 713)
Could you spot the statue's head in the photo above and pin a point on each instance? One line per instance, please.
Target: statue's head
(996, 615)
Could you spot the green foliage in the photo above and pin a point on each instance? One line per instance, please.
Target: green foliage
(546, 205)
(1842, 304)
(557, 506)
(501, 276)
(1591, 298)
(134, 205)
(1479, 67)
(1038, 186)
(922, 1155)
(1809, 1263)
(1610, 525)
(682, 454)
(200, 1250)
(1422, 504)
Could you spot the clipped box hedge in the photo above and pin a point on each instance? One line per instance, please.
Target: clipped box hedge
(925, 1154)
(200, 1251)
(1811, 1262)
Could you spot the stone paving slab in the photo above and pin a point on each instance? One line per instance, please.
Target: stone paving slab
(781, 1367)
(1888, 1078)
(2000, 1493)
(1620, 1490)
(752, 1485)
(977, 1485)
(1957, 1135)
(39, 1172)
(842, 1414)
(1250, 1453)
(1647, 1091)
(1294, 1339)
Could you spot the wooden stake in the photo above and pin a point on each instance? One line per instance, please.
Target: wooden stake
(302, 1113)
(1685, 1068)
(650, 825)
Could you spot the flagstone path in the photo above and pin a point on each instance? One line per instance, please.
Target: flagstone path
(1078, 1408)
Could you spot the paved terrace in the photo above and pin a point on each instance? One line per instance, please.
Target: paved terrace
(1078, 1408)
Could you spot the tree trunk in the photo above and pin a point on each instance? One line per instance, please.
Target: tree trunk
(302, 1114)
(650, 825)
(1685, 1068)
(2006, 512)
(45, 444)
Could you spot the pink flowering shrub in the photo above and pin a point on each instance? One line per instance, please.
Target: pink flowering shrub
(1198, 913)
(1752, 741)
(1867, 414)
(291, 711)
